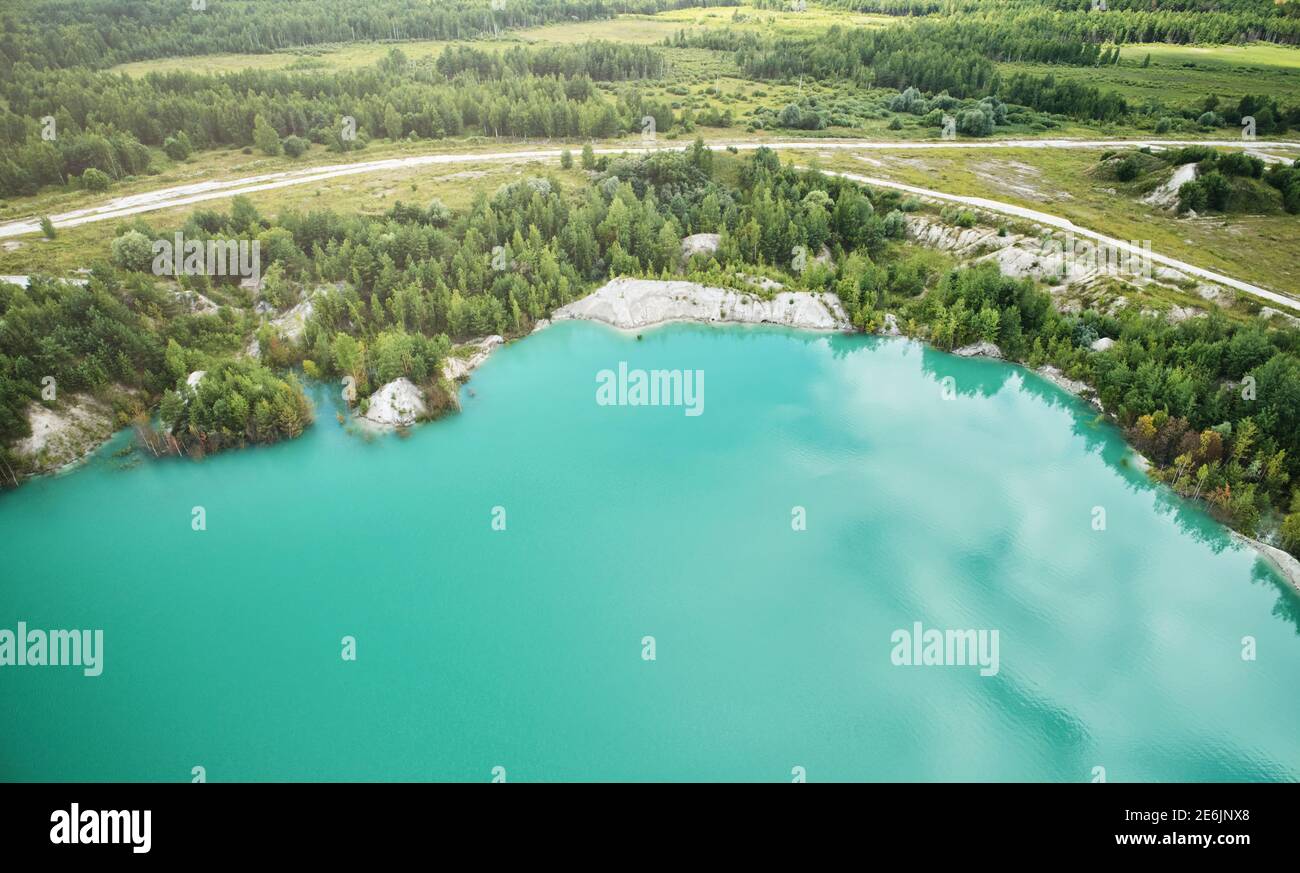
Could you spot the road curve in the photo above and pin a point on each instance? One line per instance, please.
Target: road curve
(1065, 224)
(185, 195)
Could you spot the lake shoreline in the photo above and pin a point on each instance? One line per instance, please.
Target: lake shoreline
(632, 305)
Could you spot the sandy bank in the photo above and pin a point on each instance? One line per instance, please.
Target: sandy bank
(457, 368)
(1286, 564)
(65, 435)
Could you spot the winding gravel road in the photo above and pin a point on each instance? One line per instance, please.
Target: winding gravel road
(184, 195)
(1065, 224)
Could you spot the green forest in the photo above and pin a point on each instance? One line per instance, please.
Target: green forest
(63, 115)
(396, 292)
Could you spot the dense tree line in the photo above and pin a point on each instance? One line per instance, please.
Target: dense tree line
(91, 34)
(932, 58)
(1121, 21)
(599, 60)
(59, 123)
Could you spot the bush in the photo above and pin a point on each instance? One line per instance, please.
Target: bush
(95, 180)
(438, 213)
(133, 251)
(895, 225)
(295, 146)
(975, 122)
(1211, 191)
(801, 118)
(958, 216)
(1239, 164)
(909, 101)
(177, 147)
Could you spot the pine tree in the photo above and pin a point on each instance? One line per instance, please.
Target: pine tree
(265, 137)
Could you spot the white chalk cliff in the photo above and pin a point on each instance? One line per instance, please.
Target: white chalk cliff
(632, 304)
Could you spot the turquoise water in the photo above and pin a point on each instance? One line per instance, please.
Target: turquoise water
(522, 648)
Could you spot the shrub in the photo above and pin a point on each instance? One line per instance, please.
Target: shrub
(909, 101)
(177, 147)
(975, 122)
(133, 251)
(295, 146)
(95, 180)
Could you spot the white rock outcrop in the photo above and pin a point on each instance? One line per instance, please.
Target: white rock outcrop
(1267, 312)
(700, 244)
(1050, 259)
(398, 404)
(632, 304)
(1102, 344)
(982, 349)
(1166, 196)
(292, 324)
(195, 303)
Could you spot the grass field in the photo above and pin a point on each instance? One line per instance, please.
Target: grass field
(653, 28)
(1182, 75)
(323, 57)
(638, 29)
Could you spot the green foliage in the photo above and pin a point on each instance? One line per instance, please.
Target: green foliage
(95, 180)
(235, 403)
(133, 251)
(178, 147)
(295, 146)
(265, 137)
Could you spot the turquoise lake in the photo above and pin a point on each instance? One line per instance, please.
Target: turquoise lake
(522, 648)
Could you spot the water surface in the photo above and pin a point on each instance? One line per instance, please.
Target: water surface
(522, 648)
